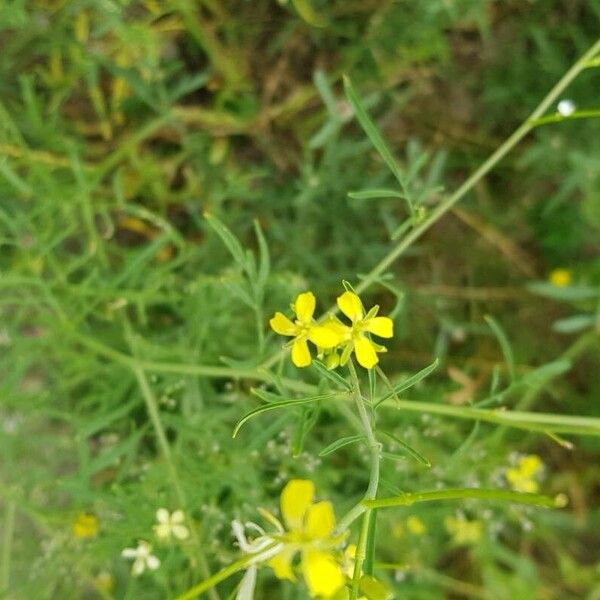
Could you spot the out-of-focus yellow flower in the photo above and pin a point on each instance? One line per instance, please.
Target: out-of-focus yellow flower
(561, 277)
(354, 337)
(415, 525)
(523, 476)
(463, 532)
(104, 582)
(85, 526)
(303, 328)
(308, 529)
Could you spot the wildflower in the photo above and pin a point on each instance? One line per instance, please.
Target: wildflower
(566, 107)
(560, 277)
(104, 582)
(354, 336)
(415, 526)
(523, 476)
(142, 558)
(309, 531)
(303, 328)
(85, 526)
(463, 532)
(170, 524)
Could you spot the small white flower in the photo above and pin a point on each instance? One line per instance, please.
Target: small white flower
(170, 524)
(142, 558)
(566, 107)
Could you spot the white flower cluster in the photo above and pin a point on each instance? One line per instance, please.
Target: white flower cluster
(168, 525)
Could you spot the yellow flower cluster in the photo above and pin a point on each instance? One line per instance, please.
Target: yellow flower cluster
(523, 476)
(334, 339)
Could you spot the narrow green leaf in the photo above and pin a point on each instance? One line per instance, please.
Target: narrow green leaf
(264, 258)
(409, 499)
(228, 238)
(277, 405)
(324, 88)
(574, 323)
(372, 194)
(372, 132)
(504, 345)
(271, 397)
(333, 376)
(345, 441)
(409, 449)
(305, 424)
(571, 293)
(408, 383)
(545, 372)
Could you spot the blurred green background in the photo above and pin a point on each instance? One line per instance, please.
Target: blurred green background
(123, 122)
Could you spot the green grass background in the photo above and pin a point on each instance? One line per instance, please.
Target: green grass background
(123, 123)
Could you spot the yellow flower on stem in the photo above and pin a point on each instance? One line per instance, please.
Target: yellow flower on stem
(523, 476)
(355, 338)
(303, 329)
(307, 529)
(85, 526)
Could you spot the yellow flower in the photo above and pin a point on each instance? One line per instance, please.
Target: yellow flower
(354, 336)
(308, 530)
(560, 277)
(104, 582)
(415, 526)
(85, 526)
(522, 477)
(463, 531)
(302, 329)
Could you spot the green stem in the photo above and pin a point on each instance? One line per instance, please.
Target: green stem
(221, 575)
(409, 499)
(154, 414)
(558, 118)
(7, 539)
(371, 493)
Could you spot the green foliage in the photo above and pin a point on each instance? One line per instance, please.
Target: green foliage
(172, 173)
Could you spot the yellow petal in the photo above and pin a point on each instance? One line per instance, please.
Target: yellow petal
(530, 465)
(282, 325)
(381, 326)
(304, 307)
(300, 353)
(282, 563)
(322, 573)
(351, 306)
(365, 352)
(296, 497)
(323, 336)
(320, 520)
